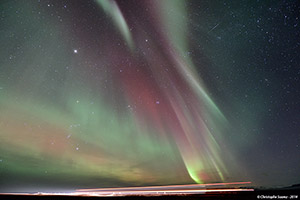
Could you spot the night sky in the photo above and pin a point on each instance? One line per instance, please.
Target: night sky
(104, 93)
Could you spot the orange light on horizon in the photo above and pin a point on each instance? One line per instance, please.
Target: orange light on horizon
(164, 186)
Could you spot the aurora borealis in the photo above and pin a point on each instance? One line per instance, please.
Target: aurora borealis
(104, 93)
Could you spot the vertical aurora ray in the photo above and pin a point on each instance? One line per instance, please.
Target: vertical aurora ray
(184, 109)
(113, 10)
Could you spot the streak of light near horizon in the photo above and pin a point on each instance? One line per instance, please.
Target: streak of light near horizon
(165, 186)
(142, 193)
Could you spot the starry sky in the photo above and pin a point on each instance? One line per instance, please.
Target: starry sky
(110, 93)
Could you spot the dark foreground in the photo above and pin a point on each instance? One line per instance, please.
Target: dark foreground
(232, 190)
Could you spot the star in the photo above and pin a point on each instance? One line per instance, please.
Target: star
(75, 51)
